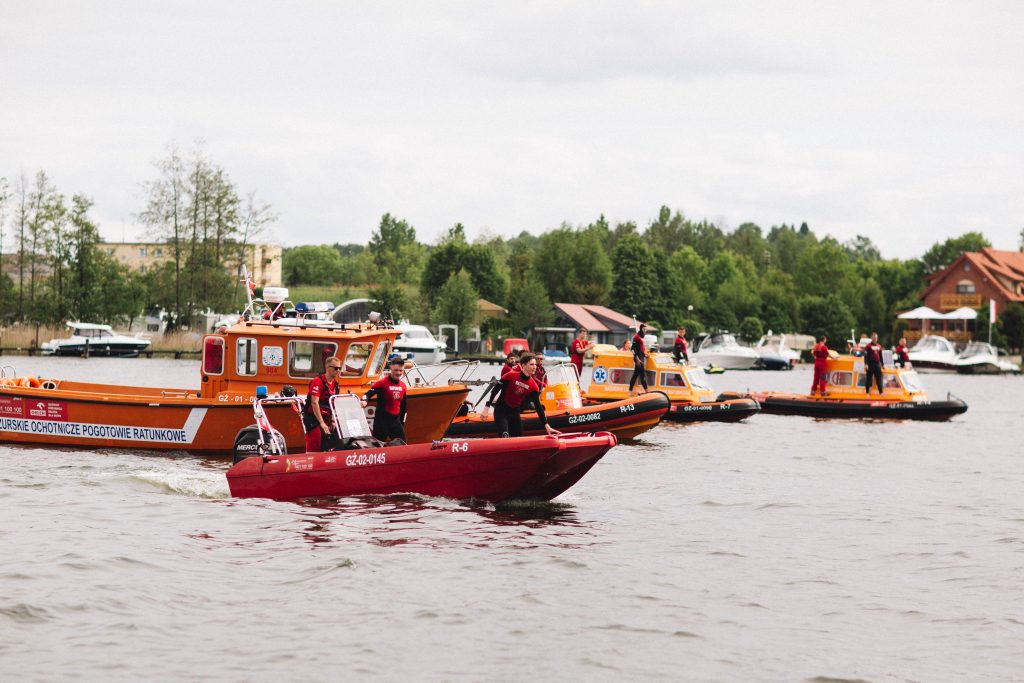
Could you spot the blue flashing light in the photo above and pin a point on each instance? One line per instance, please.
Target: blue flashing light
(261, 391)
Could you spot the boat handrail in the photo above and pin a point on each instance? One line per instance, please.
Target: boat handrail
(171, 393)
(5, 368)
(276, 445)
(429, 374)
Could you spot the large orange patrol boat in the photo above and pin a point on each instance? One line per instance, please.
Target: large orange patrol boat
(687, 387)
(254, 352)
(902, 396)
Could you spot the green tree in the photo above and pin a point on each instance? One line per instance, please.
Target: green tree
(312, 264)
(941, 254)
(393, 301)
(456, 302)
(751, 328)
(573, 266)
(529, 306)
(666, 233)
(827, 315)
(386, 245)
(1011, 324)
(824, 268)
(634, 278)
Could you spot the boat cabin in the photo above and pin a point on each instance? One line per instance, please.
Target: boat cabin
(613, 368)
(293, 351)
(846, 378)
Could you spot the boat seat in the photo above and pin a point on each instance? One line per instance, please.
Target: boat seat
(354, 443)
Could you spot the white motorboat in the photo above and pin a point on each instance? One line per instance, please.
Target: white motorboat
(933, 353)
(774, 346)
(418, 341)
(89, 339)
(980, 358)
(722, 350)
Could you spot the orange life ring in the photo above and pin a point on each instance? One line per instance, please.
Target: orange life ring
(30, 382)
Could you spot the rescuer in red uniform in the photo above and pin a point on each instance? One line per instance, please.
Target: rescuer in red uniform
(390, 392)
(516, 390)
(317, 411)
(873, 364)
(820, 353)
(511, 363)
(579, 347)
(679, 352)
(901, 353)
(541, 376)
(639, 360)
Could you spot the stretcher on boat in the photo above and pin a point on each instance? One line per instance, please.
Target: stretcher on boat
(902, 397)
(566, 411)
(687, 387)
(524, 468)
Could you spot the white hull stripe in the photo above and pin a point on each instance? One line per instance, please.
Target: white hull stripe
(89, 430)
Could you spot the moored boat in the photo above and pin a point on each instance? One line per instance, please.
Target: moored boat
(902, 396)
(90, 339)
(566, 411)
(254, 352)
(687, 387)
(721, 349)
(933, 353)
(980, 358)
(524, 468)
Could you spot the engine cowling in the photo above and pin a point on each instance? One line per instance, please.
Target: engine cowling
(247, 443)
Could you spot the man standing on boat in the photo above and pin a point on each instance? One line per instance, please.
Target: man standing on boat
(317, 411)
(579, 347)
(639, 360)
(390, 390)
(516, 390)
(821, 354)
(901, 354)
(873, 364)
(679, 351)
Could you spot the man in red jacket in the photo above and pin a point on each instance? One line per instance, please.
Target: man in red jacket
(901, 353)
(873, 364)
(390, 391)
(516, 390)
(579, 347)
(820, 353)
(317, 410)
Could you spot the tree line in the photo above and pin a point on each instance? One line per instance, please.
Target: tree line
(58, 269)
(674, 271)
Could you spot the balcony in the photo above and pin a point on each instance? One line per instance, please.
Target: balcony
(950, 302)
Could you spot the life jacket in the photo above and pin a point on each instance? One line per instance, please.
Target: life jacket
(324, 400)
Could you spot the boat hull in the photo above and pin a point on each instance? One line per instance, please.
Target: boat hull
(799, 404)
(95, 415)
(539, 467)
(727, 410)
(626, 419)
(102, 350)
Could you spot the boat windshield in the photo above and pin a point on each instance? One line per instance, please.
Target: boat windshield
(911, 382)
(976, 349)
(417, 334)
(697, 379)
(930, 344)
(562, 374)
(349, 416)
(722, 339)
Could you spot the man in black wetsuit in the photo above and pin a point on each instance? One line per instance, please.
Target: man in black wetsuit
(639, 360)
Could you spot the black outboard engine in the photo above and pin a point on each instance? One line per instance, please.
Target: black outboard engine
(247, 443)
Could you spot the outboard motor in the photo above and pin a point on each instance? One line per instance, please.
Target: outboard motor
(247, 443)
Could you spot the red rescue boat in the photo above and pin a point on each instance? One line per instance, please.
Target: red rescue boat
(537, 468)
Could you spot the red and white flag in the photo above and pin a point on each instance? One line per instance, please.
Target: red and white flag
(991, 311)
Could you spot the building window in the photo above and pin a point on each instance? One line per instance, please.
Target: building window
(159, 251)
(142, 268)
(967, 267)
(110, 251)
(965, 287)
(142, 251)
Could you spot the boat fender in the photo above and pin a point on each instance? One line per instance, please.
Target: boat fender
(247, 443)
(30, 382)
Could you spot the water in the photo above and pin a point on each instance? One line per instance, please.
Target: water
(778, 549)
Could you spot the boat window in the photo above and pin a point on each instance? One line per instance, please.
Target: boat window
(417, 334)
(911, 382)
(561, 374)
(245, 356)
(697, 379)
(672, 379)
(213, 356)
(355, 359)
(841, 379)
(380, 358)
(652, 377)
(308, 359)
(619, 375)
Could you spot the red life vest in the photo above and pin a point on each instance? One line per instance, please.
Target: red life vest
(322, 391)
(517, 387)
(392, 394)
(820, 353)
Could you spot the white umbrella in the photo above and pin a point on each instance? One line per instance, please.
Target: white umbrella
(964, 313)
(921, 313)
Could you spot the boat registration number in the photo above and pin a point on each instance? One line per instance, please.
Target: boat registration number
(586, 417)
(359, 459)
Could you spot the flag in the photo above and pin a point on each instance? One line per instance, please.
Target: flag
(991, 311)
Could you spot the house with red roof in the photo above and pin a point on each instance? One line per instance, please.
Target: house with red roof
(976, 277)
(605, 325)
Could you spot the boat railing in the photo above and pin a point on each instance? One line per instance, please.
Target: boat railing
(8, 372)
(447, 373)
(175, 393)
(273, 443)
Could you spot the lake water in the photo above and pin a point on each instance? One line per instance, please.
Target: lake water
(782, 548)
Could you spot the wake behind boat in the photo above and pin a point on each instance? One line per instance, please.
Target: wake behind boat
(89, 339)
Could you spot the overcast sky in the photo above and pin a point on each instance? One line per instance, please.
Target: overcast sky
(901, 121)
